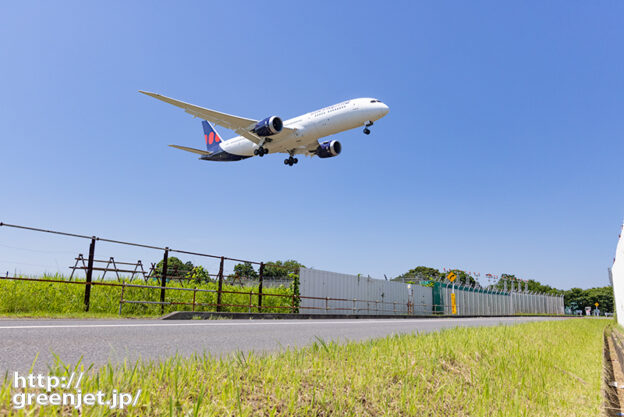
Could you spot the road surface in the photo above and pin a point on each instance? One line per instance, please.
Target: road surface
(101, 341)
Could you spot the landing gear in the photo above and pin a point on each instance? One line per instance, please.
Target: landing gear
(366, 131)
(366, 127)
(290, 161)
(261, 151)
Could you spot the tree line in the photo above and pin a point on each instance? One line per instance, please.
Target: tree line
(176, 268)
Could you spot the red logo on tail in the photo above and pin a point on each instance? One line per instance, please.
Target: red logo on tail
(212, 137)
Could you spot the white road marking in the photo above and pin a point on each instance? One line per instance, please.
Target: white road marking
(259, 323)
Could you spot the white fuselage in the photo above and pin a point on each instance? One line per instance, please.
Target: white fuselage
(308, 128)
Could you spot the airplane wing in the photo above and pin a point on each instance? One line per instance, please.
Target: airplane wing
(240, 125)
(197, 151)
(310, 149)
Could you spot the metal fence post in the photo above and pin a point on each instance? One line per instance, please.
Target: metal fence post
(87, 293)
(261, 278)
(220, 288)
(194, 293)
(163, 280)
(121, 299)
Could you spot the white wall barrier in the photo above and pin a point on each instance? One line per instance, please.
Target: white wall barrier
(616, 275)
(326, 292)
(333, 293)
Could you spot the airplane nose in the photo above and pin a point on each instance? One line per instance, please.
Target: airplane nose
(384, 109)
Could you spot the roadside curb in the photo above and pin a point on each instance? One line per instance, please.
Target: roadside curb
(206, 315)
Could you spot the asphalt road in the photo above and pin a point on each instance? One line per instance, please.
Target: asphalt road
(101, 341)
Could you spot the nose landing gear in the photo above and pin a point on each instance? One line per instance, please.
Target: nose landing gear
(366, 127)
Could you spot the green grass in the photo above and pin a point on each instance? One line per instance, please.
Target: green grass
(48, 299)
(74, 315)
(535, 369)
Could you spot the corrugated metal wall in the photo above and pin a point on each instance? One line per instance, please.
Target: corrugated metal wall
(333, 293)
(359, 295)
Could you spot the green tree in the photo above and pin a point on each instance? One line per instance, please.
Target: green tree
(198, 274)
(245, 270)
(603, 296)
(578, 299)
(281, 269)
(276, 269)
(427, 273)
(175, 267)
(535, 286)
(575, 298)
(507, 278)
(420, 273)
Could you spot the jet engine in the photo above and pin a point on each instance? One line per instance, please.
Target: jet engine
(269, 126)
(329, 149)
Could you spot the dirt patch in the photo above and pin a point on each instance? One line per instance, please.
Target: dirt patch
(613, 383)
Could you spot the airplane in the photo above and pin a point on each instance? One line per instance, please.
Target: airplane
(296, 136)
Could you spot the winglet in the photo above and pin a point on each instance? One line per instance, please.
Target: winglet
(147, 93)
(169, 100)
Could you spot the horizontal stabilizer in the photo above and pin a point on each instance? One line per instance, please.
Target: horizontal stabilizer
(197, 151)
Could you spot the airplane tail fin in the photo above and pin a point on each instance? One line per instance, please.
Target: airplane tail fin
(211, 136)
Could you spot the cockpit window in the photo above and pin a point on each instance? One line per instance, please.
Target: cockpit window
(375, 101)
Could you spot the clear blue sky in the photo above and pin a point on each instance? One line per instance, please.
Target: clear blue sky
(502, 151)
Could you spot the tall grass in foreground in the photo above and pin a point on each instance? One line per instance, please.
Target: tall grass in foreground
(536, 369)
(38, 298)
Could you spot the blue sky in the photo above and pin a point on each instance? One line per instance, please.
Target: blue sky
(502, 151)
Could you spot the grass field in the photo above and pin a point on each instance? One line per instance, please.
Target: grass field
(535, 369)
(48, 299)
